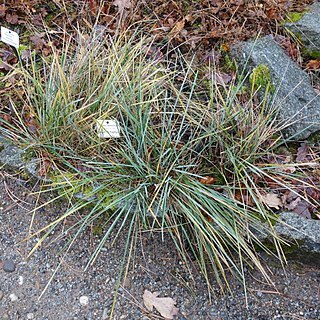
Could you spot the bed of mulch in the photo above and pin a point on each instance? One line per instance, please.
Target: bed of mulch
(202, 29)
(198, 25)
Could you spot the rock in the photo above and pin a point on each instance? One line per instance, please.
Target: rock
(305, 235)
(297, 103)
(11, 158)
(13, 297)
(5, 316)
(20, 280)
(84, 300)
(308, 28)
(31, 168)
(30, 316)
(105, 314)
(3, 142)
(8, 266)
(127, 282)
(302, 235)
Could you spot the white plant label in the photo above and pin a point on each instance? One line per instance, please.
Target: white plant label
(108, 129)
(9, 37)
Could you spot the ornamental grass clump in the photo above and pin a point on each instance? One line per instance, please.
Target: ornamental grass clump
(187, 162)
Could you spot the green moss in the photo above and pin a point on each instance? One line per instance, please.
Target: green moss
(243, 90)
(295, 16)
(313, 54)
(314, 138)
(229, 64)
(72, 185)
(28, 155)
(289, 250)
(305, 52)
(296, 36)
(100, 223)
(260, 77)
(22, 48)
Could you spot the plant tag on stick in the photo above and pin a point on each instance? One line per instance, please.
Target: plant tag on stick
(108, 129)
(9, 37)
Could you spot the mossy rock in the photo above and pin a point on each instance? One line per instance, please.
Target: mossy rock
(306, 25)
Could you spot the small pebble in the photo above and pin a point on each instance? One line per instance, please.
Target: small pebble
(84, 300)
(8, 266)
(1, 295)
(5, 316)
(20, 280)
(105, 314)
(127, 283)
(13, 297)
(30, 316)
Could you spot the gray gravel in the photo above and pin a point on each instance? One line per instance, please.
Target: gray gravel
(76, 294)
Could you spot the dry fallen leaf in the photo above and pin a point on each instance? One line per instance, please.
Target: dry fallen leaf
(37, 41)
(177, 28)
(93, 6)
(3, 10)
(45, 166)
(302, 152)
(12, 18)
(122, 5)
(6, 117)
(302, 209)
(271, 200)
(293, 204)
(313, 65)
(31, 123)
(222, 78)
(165, 306)
(207, 180)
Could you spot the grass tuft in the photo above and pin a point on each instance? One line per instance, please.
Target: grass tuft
(190, 161)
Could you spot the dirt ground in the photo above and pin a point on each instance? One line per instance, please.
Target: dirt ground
(76, 294)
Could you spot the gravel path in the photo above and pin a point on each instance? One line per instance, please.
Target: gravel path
(75, 294)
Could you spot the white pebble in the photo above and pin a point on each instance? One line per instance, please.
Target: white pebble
(84, 300)
(13, 297)
(30, 316)
(105, 314)
(20, 280)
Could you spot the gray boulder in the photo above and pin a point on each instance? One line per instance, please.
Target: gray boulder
(11, 158)
(308, 28)
(295, 99)
(304, 235)
(3, 142)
